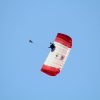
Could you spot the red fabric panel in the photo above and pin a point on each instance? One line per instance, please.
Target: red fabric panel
(64, 39)
(50, 70)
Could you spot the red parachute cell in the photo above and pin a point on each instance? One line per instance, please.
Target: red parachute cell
(56, 59)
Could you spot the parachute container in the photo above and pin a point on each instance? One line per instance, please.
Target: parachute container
(56, 59)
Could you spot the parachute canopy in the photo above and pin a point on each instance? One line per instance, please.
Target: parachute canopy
(56, 59)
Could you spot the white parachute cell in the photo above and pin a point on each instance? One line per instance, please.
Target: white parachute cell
(56, 59)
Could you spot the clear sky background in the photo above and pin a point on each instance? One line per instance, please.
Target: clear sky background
(41, 20)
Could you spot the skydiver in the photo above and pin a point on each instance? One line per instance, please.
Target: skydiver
(30, 41)
(52, 46)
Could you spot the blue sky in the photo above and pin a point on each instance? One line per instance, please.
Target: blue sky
(41, 20)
